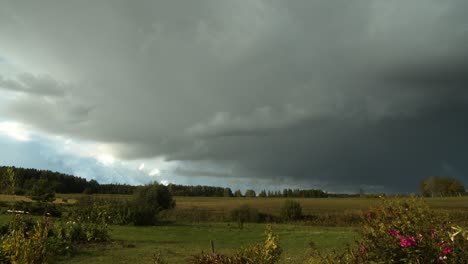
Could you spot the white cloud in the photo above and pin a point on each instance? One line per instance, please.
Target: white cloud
(142, 166)
(154, 172)
(106, 159)
(16, 131)
(165, 182)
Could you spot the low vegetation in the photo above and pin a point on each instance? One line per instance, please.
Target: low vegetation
(268, 252)
(48, 227)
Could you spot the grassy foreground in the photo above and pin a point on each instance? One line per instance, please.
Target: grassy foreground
(181, 239)
(178, 242)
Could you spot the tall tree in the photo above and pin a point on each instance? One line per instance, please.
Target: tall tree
(250, 193)
(441, 186)
(8, 181)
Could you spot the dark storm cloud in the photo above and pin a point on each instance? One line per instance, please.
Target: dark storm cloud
(352, 93)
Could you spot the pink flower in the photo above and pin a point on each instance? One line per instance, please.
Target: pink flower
(447, 251)
(407, 242)
(362, 249)
(369, 216)
(394, 232)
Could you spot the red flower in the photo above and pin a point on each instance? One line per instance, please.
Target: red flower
(394, 232)
(362, 249)
(447, 251)
(407, 242)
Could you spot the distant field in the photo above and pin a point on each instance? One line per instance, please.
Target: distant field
(222, 205)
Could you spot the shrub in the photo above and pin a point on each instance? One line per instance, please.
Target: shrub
(405, 231)
(244, 213)
(149, 200)
(268, 252)
(291, 210)
(24, 244)
(38, 208)
(89, 222)
(42, 191)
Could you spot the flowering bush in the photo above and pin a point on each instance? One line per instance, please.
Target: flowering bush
(405, 231)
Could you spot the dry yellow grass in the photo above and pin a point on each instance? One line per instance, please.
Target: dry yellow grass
(266, 205)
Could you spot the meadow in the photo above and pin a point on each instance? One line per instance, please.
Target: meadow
(196, 221)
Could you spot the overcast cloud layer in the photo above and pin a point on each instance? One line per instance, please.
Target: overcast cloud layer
(335, 93)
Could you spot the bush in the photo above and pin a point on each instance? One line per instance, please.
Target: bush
(42, 191)
(291, 210)
(89, 222)
(24, 244)
(245, 213)
(38, 208)
(151, 199)
(405, 231)
(120, 212)
(268, 252)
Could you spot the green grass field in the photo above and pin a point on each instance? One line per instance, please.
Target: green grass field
(180, 239)
(178, 242)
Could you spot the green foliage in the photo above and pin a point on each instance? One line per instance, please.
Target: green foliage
(250, 193)
(227, 192)
(245, 213)
(405, 231)
(268, 252)
(27, 245)
(38, 208)
(151, 199)
(89, 222)
(291, 211)
(238, 193)
(8, 181)
(42, 191)
(157, 258)
(440, 186)
(262, 194)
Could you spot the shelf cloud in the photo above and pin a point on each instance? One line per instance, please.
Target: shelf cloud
(368, 93)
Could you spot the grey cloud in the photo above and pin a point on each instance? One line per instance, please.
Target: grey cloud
(194, 173)
(308, 90)
(30, 84)
(262, 120)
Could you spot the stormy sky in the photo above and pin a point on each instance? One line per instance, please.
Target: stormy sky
(337, 95)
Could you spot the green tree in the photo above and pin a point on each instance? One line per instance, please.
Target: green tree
(262, 194)
(42, 191)
(244, 213)
(250, 193)
(441, 186)
(291, 210)
(238, 193)
(8, 181)
(149, 200)
(227, 192)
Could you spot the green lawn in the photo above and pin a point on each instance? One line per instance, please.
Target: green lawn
(178, 242)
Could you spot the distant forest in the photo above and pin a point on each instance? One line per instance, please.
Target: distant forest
(21, 180)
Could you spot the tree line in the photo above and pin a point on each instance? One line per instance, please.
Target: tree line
(22, 181)
(441, 187)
